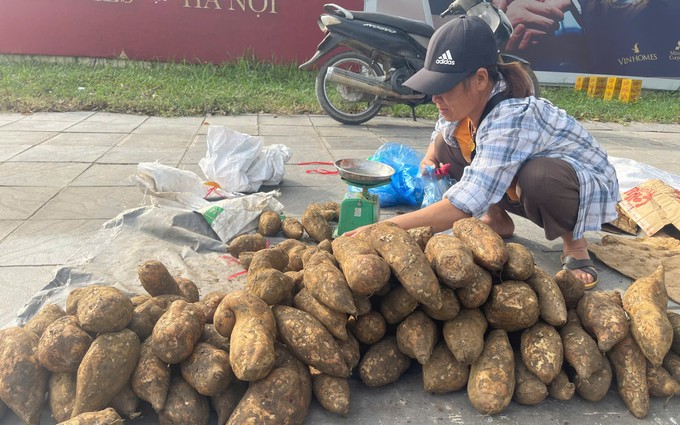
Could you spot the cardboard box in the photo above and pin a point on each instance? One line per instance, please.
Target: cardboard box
(613, 88)
(652, 205)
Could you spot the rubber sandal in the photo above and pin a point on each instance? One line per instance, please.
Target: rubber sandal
(587, 265)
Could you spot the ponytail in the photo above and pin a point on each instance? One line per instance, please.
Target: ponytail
(519, 84)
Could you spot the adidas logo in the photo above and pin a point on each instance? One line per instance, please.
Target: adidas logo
(445, 59)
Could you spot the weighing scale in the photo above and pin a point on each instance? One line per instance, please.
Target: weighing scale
(361, 208)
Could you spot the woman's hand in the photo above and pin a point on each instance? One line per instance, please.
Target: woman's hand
(356, 231)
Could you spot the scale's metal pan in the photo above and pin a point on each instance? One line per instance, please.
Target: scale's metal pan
(363, 171)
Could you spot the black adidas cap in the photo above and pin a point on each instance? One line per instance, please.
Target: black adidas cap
(457, 49)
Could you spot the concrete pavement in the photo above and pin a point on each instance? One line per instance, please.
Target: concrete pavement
(62, 175)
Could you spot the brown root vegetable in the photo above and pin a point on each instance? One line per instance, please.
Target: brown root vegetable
(350, 351)
(464, 335)
(292, 228)
(105, 370)
(270, 285)
(383, 363)
(449, 309)
(251, 327)
(560, 388)
(520, 264)
(542, 351)
(421, 235)
(512, 306)
(529, 389)
(137, 299)
(246, 258)
(156, 279)
(298, 278)
(660, 382)
(43, 318)
(327, 284)
(366, 274)
(209, 304)
(63, 345)
(308, 340)
(316, 224)
(282, 397)
(272, 258)
(126, 403)
(225, 402)
(107, 416)
(442, 373)
(553, 307)
(487, 246)
(580, 349)
(674, 319)
(247, 242)
(61, 395)
(602, 314)
(397, 305)
(73, 299)
(363, 304)
(269, 223)
(417, 336)
(207, 369)
(596, 386)
(104, 309)
(150, 380)
(630, 367)
(645, 301)
(189, 289)
(572, 288)
(212, 337)
(406, 260)
(332, 393)
(23, 381)
(184, 405)
(145, 315)
(334, 321)
(492, 376)
(477, 291)
(177, 331)
(369, 328)
(451, 260)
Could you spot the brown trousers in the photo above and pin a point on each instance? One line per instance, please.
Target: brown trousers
(548, 190)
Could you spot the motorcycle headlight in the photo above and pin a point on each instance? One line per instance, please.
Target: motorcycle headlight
(327, 20)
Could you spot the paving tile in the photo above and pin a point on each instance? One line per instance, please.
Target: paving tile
(135, 155)
(310, 155)
(38, 125)
(58, 116)
(7, 227)
(10, 151)
(161, 125)
(86, 139)
(307, 175)
(19, 203)
(293, 142)
(19, 285)
(348, 142)
(287, 130)
(103, 122)
(247, 123)
(157, 140)
(49, 174)
(90, 203)
(46, 242)
(296, 199)
(107, 175)
(11, 116)
(344, 153)
(14, 137)
(269, 119)
(57, 153)
(345, 131)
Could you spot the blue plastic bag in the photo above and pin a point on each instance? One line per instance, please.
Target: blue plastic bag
(405, 187)
(435, 182)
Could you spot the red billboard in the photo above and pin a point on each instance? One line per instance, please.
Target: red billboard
(212, 31)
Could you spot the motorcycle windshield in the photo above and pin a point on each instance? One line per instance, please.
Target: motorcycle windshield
(488, 13)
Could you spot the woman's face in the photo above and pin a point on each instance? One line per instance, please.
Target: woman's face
(465, 99)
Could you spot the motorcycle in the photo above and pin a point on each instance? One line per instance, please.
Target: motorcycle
(376, 53)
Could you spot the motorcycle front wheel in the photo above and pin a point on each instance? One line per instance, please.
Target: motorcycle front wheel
(343, 103)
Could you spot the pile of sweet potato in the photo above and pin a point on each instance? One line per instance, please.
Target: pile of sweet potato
(467, 308)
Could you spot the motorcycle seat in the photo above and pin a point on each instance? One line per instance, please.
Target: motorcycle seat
(408, 25)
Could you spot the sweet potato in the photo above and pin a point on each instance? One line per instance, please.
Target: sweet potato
(207, 369)
(451, 260)
(397, 304)
(417, 336)
(177, 331)
(464, 335)
(292, 228)
(421, 235)
(596, 386)
(209, 304)
(369, 328)
(363, 304)
(580, 349)
(270, 285)
(106, 416)
(332, 392)
(150, 380)
(492, 375)
(477, 291)
(61, 395)
(105, 370)
(674, 319)
(542, 351)
(630, 367)
(560, 388)
(43, 318)
(73, 299)
(225, 402)
(282, 397)
(250, 324)
(309, 341)
(63, 345)
(442, 373)
(137, 300)
(553, 308)
(316, 224)
(512, 306)
(23, 381)
(184, 405)
(602, 314)
(126, 403)
(529, 389)
(520, 264)
(366, 272)
(572, 288)
(350, 351)
(146, 315)
(271, 258)
(327, 284)
(269, 223)
(212, 337)
(449, 309)
(189, 289)
(246, 242)
(406, 260)
(334, 321)
(104, 309)
(383, 363)
(156, 279)
(645, 301)
(660, 382)
(488, 248)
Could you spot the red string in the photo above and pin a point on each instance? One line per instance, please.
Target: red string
(237, 274)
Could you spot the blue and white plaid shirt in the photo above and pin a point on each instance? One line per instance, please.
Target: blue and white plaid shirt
(517, 130)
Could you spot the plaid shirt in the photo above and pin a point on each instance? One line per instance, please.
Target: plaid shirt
(517, 130)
